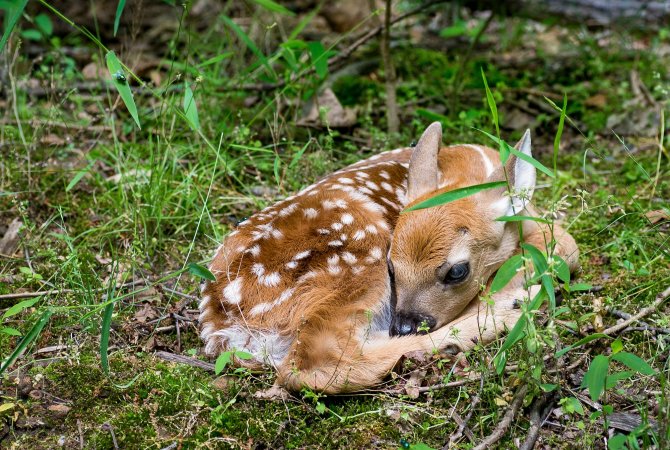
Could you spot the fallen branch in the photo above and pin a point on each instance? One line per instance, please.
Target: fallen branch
(644, 312)
(17, 295)
(539, 412)
(181, 359)
(644, 326)
(506, 421)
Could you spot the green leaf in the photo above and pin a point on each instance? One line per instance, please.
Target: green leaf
(13, 15)
(614, 378)
(459, 28)
(580, 342)
(580, 287)
(456, 194)
(190, 108)
(594, 379)
(320, 407)
(78, 176)
(529, 159)
(319, 58)
(104, 336)
(572, 404)
(216, 59)
(298, 155)
(201, 272)
(17, 308)
(559, 132)
(27, 339)
(121, 83)
(31, 34)
(514, 336)
(506, 273)
(548, 387)
(239, 354)
(6, 407)
(634, 362)
(249, 43)
(617, 442)
(276, 167)
(539, 260)
(43, 23)
(549, 289)
(117, 17)
(494, 111)
(617, 346)
(10, 331)
(274, 7)
(521, 219)
(221, 362)
(561, 268)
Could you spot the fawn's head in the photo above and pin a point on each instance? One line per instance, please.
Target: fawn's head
(441, 256)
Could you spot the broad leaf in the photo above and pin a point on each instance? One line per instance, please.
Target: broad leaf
(13, 16)
(121, 83)
(117, 17)
(201, 272)
(595, 377)
(274, 7)
(17, 308)
(319, 58)
(634, 362)
(221, 362)
(506, 273)
(190, 108)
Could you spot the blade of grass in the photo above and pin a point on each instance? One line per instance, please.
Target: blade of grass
(559, 132)
(121, 83)
(274, 7)
(190, 108)
(117, 17)
(27, 339)
(249, 43)
(456, 194)
(13, 17)
(78, 176)
(529, 159)
(104, 336)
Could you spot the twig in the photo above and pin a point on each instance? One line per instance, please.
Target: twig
(17, 295)
(506, 421)
(644, 325)
(108, 427)
(538, 414)
(660, 298)
(81, 435)
(181, 359)
(463, 428)
(439, 386)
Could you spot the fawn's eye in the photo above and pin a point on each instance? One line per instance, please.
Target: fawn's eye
(457, 273)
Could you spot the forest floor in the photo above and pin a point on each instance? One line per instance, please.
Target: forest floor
(102, 218)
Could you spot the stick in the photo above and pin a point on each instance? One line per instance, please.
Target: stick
(181, 359)
(506, 421)
(660, 298)
(451, 384)
(538, 414)
(16, 295)
(644, 325)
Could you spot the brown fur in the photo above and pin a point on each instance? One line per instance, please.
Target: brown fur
(326, 317)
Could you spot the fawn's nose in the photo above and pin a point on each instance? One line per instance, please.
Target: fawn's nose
(404, 323)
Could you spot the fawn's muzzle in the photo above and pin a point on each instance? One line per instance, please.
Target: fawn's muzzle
(404, 323)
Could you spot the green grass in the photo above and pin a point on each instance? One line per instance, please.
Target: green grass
(117, 204)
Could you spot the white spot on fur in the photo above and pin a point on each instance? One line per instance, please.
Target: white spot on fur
(310, 213)
(347, 219)
(345, 180)
(359, 235)
(362, 174)
(385, 175)
(233, 292)
(302, 255)
(292, 264)
(332, 260)
(357, 269)
(343, 237)
(387, 186)
(328, 204)
(307, 276)
(255, 250)
(335, 243)
(258, 269)
(323, 231)
(266, 347)
(290, 209)
(376, 253)
(337, 226)
(334, 270)
(372, 185)
(349, 258)
(371, 229)
(383, 225)
(271, 279)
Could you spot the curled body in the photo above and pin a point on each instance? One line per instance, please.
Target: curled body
(330, 286)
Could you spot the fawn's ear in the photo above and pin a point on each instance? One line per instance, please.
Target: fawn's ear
(521, 176)
(423, 172)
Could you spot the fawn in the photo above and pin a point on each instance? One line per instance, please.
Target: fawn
(333, 286)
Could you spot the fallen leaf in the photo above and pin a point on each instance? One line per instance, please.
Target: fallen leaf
(499, 401)
(657, 216)
(334, 114)
(59, 410)
(6, 407)
(10, 241)
(597, 101)
(275, 392)
(52, 139)
(146, 313)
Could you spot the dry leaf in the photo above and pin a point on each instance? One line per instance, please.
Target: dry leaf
(146, 313)
(52, 139)
(657, 216)
(336, 116)
(275, 392)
